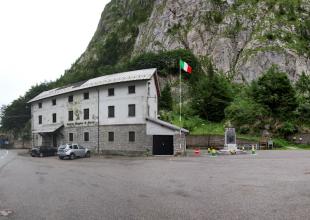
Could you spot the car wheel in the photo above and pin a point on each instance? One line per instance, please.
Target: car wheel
(41, 155)
(61, 158)
(72, 156)
(87, 154)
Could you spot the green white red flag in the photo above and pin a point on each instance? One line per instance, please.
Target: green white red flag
(184, 66)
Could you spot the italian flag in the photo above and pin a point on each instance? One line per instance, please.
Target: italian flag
(184, 66)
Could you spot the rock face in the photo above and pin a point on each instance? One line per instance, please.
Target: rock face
(242, 38)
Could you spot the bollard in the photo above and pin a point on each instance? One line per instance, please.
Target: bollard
(197, 151)
(213, 153)
(253, 150)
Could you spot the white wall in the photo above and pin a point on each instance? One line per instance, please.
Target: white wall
(152, 98)
(62, 107)
(156, 129)
(120, 100)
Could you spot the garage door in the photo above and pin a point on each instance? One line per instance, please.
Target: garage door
(162, 145)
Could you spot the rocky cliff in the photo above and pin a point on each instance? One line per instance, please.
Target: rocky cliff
(243, 38)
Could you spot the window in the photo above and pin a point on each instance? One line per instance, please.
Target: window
(111, 136)
(70, 115)
(148, 89)
(54, 102)
(40, 119)
(111, 111)
(132, 136)
(131, 89)
(70, 98)
(75, 147)
(86, 114)
(86, 95)
(111, 92)
(54, 118)
(71, 137)
(40, 104)
(86, 136)
(132, 110)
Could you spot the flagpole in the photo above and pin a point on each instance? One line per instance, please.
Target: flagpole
(180, 95)
(180, 104)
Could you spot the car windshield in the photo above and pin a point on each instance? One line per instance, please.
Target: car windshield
(62, 146)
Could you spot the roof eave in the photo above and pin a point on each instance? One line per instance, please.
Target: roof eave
(168, 125)
(154, 73)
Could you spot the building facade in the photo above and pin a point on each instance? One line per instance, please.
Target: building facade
(115, 114)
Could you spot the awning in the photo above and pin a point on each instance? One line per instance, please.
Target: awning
(48, 128)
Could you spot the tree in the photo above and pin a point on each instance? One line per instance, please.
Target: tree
(211, 95)
(274, 91)
(15, 116)
(303, 113)
(302, 87)
(245, 113)
(165, 100)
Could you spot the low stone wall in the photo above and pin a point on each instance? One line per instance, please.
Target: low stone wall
(211, 140)
(129, 153)
(20, 144)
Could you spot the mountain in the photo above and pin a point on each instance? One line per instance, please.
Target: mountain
(243, 38)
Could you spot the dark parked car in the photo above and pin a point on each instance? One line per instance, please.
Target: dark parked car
(43, 151)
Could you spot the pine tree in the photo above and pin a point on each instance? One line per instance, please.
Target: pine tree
(274, 91)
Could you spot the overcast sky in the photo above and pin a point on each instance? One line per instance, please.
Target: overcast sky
(39, 39)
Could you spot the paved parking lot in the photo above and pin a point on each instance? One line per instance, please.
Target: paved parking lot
(271, 185)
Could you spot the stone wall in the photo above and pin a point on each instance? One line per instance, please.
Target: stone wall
(18, 144)
(121, 145)
(179, 143)
(78, 136)
(121, 142)
(212, 140)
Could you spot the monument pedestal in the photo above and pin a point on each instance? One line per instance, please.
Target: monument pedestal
(230, 145)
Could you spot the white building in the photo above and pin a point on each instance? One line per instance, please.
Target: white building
(112, 114)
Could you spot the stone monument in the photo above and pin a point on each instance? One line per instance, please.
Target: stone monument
(230, 140)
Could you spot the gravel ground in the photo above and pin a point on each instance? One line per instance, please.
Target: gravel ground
(270, 185)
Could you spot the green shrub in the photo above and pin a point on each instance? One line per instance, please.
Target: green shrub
(287, 128)
(303, 113)
(274, 91)
(211, 95)
(245, 113)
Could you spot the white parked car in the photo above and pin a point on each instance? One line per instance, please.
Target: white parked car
(72, 151)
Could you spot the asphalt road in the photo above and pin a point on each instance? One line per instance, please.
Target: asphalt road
(271, 185)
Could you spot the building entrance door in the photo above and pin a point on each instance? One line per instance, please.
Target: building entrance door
(55, 140)
(162, 145)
